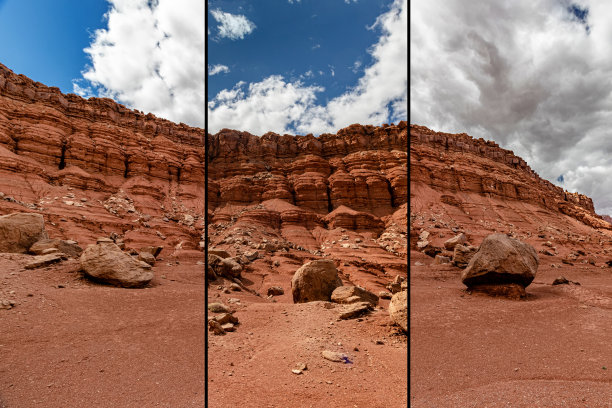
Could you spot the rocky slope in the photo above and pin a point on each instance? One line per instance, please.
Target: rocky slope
(298, 198)
(93, 167)
(492, 351)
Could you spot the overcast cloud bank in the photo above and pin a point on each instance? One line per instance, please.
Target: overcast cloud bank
(535, 76)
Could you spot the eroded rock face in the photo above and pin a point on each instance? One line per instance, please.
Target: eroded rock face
(315, 280)
(457, 162)
(501, 260)
(107, 263)
(92, 167)
(19, 231)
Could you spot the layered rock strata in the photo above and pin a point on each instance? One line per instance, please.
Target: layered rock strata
(458, 163)
(301, 198)
(93, 167)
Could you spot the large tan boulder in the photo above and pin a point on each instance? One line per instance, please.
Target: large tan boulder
(315, 280)
(501, 260)
(19, 231)
(398, 309)
(107, 263)
(353, 294)
(66, 247)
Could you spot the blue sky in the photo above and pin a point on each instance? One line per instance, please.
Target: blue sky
(288, 66)
(291, 39)
(306, 66)
(44, 39)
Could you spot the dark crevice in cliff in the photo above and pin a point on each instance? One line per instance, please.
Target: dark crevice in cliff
(178, 175)
(391, 194)
(330, 207)
(62, 163)
(126, 163)
(292, 191)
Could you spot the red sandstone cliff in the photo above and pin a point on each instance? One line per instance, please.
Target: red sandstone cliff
(93, 167)
(337, 196)
(459, 163)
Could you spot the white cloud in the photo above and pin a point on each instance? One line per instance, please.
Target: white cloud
(314, 47)
(530, 75)
(232, 26)
(275, 105)
(272, 104)
(217, 69)
(356, 66)
(150, 57)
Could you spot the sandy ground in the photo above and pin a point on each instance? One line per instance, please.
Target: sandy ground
(551, 349)
(251, 367)
(72, 343)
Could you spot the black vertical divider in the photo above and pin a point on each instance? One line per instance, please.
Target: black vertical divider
(206, 203)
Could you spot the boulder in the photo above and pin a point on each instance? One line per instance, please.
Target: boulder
(398, 309)
(67, 247)
(275, 291)
(353, 294)
(107, 263)
(501, 260)
(383, 294)
(355, 310)
(153, 250)
(439, 260)
(315, 280)
(219, 252)
(147, 257)
(454, 241)
(227, 267)
(45, 260)
(463, 254)
(19, 231)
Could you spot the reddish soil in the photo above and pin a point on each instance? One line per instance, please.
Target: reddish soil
(251, 367)
(85, 344)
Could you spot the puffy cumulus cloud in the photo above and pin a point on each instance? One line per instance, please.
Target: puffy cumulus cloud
(535, 76)
(271, 104)
(217, 69)
(232, 26)
(275, 105)
(150, 57)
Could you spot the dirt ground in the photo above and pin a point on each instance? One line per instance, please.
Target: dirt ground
(72, 343)
(252, 367)
(551, 349)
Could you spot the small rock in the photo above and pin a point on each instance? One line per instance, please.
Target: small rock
(354, 310)
(218, 308)
(228, 327)
(44, 260)
(215, 327)
(275, 291)
(333, 356)
(235, 287)
(561, 281)
(383, 294)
